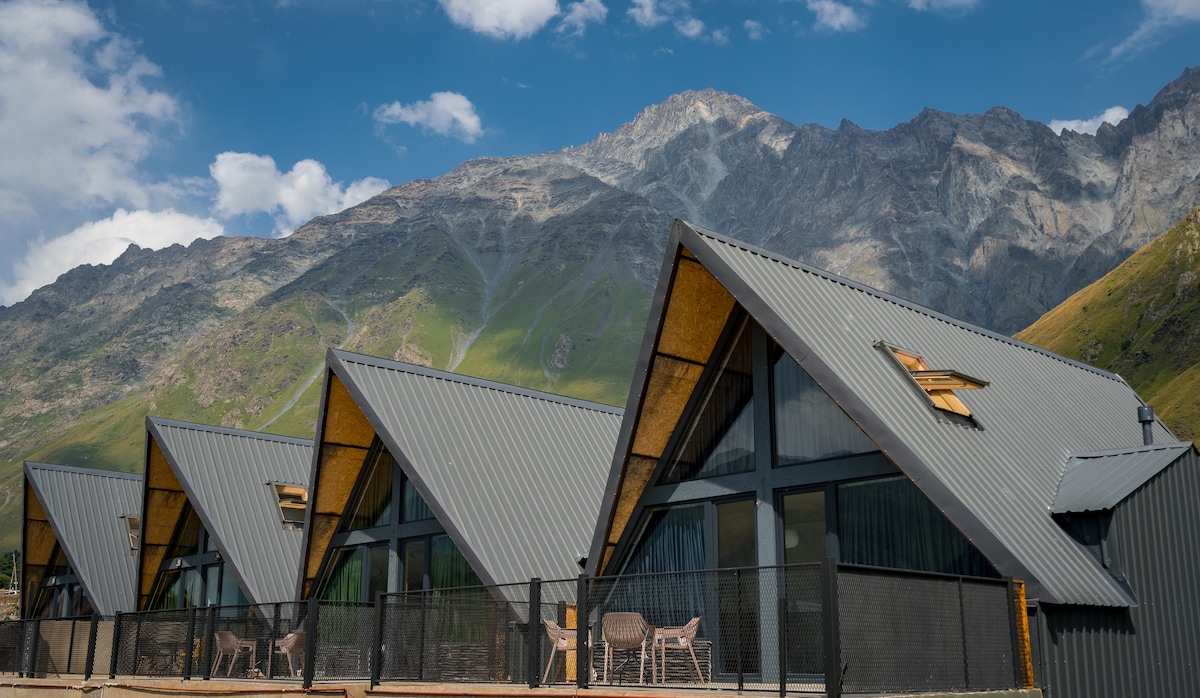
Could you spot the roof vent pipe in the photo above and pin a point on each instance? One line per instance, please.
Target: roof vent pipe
(1146, 417)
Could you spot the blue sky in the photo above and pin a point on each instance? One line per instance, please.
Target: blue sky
(161, 121)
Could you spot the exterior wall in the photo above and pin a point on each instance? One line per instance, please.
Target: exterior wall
(1153, 649)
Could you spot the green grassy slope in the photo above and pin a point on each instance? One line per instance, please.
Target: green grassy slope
(566, 321)
(1142, 321)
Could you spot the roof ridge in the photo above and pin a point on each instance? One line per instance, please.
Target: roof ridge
(427, 372)
(1132, 449)
(228, 431)
(98, 472)
(902, 302)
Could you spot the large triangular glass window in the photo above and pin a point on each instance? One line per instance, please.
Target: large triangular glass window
(720, 437)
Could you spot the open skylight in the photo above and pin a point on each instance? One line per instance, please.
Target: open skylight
(937, 384)
(293, 502)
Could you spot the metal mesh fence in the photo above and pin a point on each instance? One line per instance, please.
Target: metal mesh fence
(742, 629)
(779, 629)
(12, 647)
(915, 632)
(473, 634)
(344, 634)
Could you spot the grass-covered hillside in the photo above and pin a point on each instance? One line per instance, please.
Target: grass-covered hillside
(1142, 321)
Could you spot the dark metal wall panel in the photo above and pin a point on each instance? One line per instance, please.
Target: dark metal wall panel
(229, 477)
(995, 483)
(87, 510)
(517, 474)
(1154, 648)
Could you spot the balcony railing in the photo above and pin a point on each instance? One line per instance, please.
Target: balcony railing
(827, 628)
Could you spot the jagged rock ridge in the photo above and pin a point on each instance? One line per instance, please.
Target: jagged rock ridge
(536, 269)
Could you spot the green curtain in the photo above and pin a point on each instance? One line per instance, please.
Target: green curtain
(345, 583)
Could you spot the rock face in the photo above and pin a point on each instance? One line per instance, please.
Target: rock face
(536, 270)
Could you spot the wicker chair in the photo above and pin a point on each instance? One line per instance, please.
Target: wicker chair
(626, 631)
(561, 640)
(678, 638)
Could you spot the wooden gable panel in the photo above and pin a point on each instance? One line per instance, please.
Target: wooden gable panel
(697, 311)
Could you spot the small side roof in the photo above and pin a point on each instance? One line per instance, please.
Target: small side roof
(87, 509)
(229, 476)
(996, 484)
(1101, 480)
(513, 475)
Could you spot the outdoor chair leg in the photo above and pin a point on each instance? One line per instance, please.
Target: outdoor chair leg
(548, 665)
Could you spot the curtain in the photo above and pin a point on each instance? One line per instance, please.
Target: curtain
(414, 507)
(345, 583)
(720, 438)
(808, 425)
(374, 506)
(888, 523)
(448, 566)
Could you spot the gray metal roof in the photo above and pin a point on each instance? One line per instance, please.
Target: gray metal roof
(515, 476)
(1099, 481)
(87, 510)
(229, 477)
(996, 484)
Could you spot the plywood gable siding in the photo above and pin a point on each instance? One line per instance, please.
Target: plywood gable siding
(163, 505)
(342, 446)
(38, 545)
(695, 313)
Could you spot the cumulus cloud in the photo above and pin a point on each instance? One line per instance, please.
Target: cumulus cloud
(834, 16)
(1112, 115)
(1161, 18)
(249, 183)
(754, 30)
(502, 19)
(444, 113)
(645, 13)
(690, 27)
(101, 242)
(580, 14)
(943, 5)
(87, 114)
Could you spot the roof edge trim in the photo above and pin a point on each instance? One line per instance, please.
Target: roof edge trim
(389, 364)
(910, 305)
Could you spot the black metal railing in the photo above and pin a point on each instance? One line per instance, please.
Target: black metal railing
(827, 628)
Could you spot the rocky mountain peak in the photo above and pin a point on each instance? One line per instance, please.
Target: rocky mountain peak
(657, 125)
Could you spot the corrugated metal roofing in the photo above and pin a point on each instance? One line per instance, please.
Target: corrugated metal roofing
(87, 510)
(515, 476)
(997, 483)
(1100, 481)
(229, 477)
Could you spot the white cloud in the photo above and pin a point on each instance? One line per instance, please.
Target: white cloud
(754, 30)
(943, 5)
(835, 16)
(1161, 17)
(720, 37)
(87, 113)
(502, 19)
(690, 27)
(101, 242)
(249, 183)
(646, 14)
(445, 113)
(579, 14)
(1112, 115)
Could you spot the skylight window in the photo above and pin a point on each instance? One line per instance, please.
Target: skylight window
(134, 525)
(293, 502)
(937, 384)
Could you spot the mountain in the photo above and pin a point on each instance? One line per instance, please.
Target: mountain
(536, 269)
(1140, 321)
